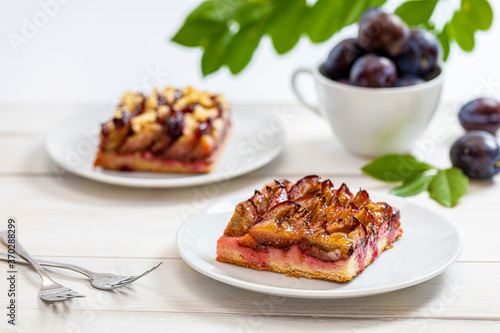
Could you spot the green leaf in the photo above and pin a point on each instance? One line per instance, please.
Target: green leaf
(215, 54)
(198, 33)
(445, 40)
(413, 186)
(252, 12)
(287, 24)
(243, 45)
(216, 10)
(352, 11)
(324, 20)
(477, 13)
(416, 12)
(462, 32)
(395, 168)
(448, 186)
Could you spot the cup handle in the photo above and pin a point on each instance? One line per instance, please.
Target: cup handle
(297, 92)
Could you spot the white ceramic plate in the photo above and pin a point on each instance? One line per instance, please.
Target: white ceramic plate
(256, 139)
(429, 245)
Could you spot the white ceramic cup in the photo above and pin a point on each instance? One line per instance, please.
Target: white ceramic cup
(373, 121)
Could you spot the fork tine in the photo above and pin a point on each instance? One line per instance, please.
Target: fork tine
(145, 273)
(131, 279)
(73, 293)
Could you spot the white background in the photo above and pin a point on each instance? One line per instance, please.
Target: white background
(92, 51)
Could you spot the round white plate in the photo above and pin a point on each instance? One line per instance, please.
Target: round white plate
(257, 138)
(429, 245)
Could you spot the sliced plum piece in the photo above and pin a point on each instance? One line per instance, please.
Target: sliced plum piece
(338, 245)
(282, 210)
(328, 191)
(344, 195)
(306, 185)
(271, 232)
(244, 217)
(361, 199)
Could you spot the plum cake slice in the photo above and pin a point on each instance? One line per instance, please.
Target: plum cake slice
(309, 229)
(168, 131)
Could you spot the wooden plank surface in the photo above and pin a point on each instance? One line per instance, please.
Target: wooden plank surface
(124, 230)
(175, 287)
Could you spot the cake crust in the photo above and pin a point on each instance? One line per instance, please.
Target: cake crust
(352, 231)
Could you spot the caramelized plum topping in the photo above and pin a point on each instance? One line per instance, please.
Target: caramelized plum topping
(190, 108)
(306, 185)
(258, 201)
(244, 217)
(328, 191)
(273, 194)
(337, 244)
(175, 125)
(309, 201)
(334, 211)
(273, 233)
(205, 127)
(361, 199)
(282, 210)
(359, 234)
(344, 195)
(113, 133)
(123, 121)
(286, 183)
(162, 100)
(313, 205)
(341, 225)
(366, 217)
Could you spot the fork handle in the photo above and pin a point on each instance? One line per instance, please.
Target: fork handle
(21, 251)
(5, 256)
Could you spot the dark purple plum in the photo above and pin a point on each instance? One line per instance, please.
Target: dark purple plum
(341, 58)
(373, 71)
(477, 154)
(175, 125)
(481, 114)
(422, 54)
(383, 33)
(408, 80)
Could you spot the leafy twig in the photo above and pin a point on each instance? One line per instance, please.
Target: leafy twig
(444, 186)
(229, 31)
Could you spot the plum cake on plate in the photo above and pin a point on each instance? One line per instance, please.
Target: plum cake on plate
(309, 229)
(168, 131)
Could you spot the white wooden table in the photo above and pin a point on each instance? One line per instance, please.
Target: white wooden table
(109, 228)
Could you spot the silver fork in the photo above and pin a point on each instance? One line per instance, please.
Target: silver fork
(50, 290)
(106, 281)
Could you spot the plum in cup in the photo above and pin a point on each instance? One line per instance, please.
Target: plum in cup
(373, 71)
(383, 33)
(422, 54)
(341, 59)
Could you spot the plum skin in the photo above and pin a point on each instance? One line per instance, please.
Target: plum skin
(422, 54)
(477, 154)
(341, 58)
(481, 114)
(373, 71)
(383, 33)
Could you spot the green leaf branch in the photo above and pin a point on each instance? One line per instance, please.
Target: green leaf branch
(229, 31)
(444, 186)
